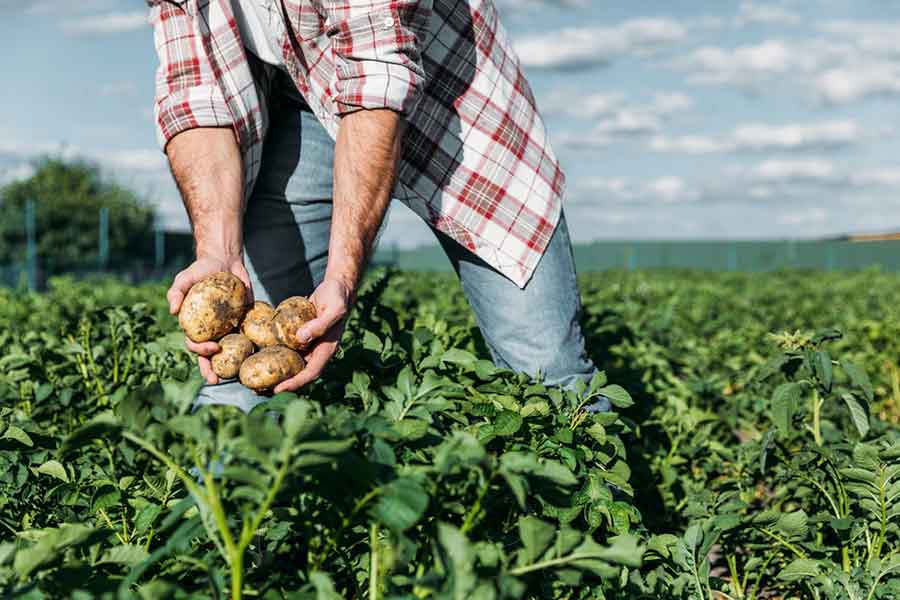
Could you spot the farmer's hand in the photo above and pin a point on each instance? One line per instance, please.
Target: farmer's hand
(323, 334)
(203, 266)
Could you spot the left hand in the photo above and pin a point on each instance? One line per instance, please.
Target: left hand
(323, 334)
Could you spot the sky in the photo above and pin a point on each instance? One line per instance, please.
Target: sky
(673, 120)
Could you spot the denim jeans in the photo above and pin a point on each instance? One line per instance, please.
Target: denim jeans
(286, 231)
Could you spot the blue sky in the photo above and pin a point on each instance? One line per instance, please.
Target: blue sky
(702, 119)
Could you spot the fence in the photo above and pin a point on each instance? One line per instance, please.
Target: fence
(827, 255)
(170, 251)
(164, 253)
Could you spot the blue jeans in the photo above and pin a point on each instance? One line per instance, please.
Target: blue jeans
(286, 231)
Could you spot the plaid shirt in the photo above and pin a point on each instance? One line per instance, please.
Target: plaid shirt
(476, 163)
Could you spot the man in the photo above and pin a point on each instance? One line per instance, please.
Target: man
(290, 124)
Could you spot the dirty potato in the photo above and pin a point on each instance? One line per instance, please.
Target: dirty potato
(269, 367)
(234, 350)
(213, 307)
(290, 316)
(258, 325)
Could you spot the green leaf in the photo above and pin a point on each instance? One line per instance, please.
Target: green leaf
(459, 357)
(799, 569)
(793, 524)
(858, 413)
(507, 423)
(14, 433)
(824, 369)
(48, 547)
(409, 429)
(327, 447)
(126, 554)
(530, 464)
(297, 419)
(693, 537)
(55, 469)
(102, 427)
(324, 586)
(190, 426)
(401, 504)
(859, 378)
(262, 431)
(461, 556)
(617, 395)
(536, 536)
(147, 517)
(785, 401)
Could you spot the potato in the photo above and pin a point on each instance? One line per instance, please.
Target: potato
(269, 367)
(258, 325)
(235, 349)
(299, 303)
(213, 307)
(290, 316)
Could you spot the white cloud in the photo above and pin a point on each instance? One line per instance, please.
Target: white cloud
(882, 176)
(878, 38)
(615, 117)
(15, 172)
(583, 47)
(689, 144)
(64, 7)
(133, 160)
(113, 22)
(118, 89)
(767, 14)
(848, 84)
(521, 5)
(763, 137)
(741, 65)
(794, 170)
(662, 189)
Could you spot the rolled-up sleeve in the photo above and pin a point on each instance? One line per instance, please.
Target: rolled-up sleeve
(187, 93)
(377, 47)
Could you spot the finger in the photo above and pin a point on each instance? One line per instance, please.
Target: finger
(319, 326)
(241, 271)
(206, 370)
(201, 348)
(315, 364)
(180, 285)
(175, 298)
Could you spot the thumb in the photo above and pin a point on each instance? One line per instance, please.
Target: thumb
(241, 271)
(319, 326)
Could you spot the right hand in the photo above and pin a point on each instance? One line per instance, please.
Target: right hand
(200, 268)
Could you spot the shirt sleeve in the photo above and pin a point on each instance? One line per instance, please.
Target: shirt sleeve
(377, 47)
(187, 94)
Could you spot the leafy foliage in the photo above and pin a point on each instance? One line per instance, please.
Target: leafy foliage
(740, 464)
(68, 197)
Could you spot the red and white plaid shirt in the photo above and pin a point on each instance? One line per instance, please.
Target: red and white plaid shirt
(476, 161)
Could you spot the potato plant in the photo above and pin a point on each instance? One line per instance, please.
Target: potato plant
(754, 450)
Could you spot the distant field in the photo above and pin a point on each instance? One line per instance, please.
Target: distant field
(711, 255)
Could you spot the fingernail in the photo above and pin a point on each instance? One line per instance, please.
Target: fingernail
(303, 336)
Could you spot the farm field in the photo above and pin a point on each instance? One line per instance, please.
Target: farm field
(754, 451)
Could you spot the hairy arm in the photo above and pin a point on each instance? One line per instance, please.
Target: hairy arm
(365, 165)
(206, 164)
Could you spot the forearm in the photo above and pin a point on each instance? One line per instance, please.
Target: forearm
(206, 164)
(365, 164)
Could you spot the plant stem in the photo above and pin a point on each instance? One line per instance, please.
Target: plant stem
(374, 557)
(476, 507)
(237, 576)
(735, 578)
(784, 542)
(817, 414)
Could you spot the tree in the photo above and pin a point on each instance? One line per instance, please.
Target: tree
(68, 197)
